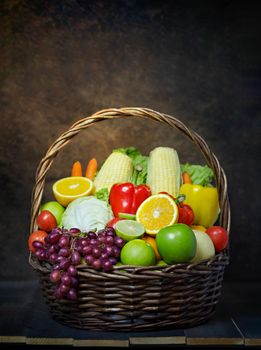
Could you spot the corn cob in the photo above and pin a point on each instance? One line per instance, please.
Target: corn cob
(117, 168)
(164, 171)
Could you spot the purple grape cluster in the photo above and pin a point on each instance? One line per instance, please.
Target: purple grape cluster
(101, 250)
(65, 249)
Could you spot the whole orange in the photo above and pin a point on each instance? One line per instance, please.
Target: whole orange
(152, 242)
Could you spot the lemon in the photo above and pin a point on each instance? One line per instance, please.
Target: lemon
(68, 189)
(156, 212)
(129, 229)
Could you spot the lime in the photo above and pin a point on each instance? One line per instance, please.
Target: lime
(138, 252)
(176, 243)
(129, 229)
(127, 216)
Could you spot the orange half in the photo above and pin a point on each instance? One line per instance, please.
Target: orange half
(156, 212)
(70, 188)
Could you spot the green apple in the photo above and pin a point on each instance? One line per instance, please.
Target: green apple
(205, 247)
(176, 243)
(55, 208)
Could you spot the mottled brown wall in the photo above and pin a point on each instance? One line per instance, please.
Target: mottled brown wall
(62, 60)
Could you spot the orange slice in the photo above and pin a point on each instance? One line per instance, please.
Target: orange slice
(69, 188)
(156, 212)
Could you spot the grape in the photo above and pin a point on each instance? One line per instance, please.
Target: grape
(101, 239)
(116, 251)
(59, 258)
(52, 249)
(47, 254)
(64, 252)
(72, 294)
(42, 255)
(58, 293)
(57, 230)
(64, 264)
(96, 252)
(55, 276)
(93, 241)
(47, 239)
(53, 258)
(75, 258)
(109, 250)
(74, 282)
(54, 237)
(72, 270)
(74, 230)
(104, 255)
(86, 250)
(65, 231)
(38, 245)
(119, 242)
(110, 232)
(66, 279)
(113, 260)
(56, 266)
(96, 264)
(109, 240)
(92, 235)
(89, 259)
(83, 241)
(64, 288)
(64, 241)
(107, 265)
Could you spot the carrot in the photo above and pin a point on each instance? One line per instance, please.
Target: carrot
(76, 169)
(91, 169)
(186, 178)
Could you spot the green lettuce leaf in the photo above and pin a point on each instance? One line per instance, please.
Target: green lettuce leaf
(103, 195)
(200, 175)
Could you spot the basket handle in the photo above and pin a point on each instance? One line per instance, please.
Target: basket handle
(64, 139)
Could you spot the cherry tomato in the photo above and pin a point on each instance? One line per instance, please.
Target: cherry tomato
(46, 221)
(113, 222)
(36, 236)
(219, 237)
(186, 214)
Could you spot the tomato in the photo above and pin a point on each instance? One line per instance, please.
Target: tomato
(46, 221)
(113, 222)
(186, 214)
(219, 237)
(176, 243)
(36, 236)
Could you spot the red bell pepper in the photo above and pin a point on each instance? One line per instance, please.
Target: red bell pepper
(126, 197)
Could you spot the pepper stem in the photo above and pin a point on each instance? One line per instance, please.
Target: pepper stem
(180, 198)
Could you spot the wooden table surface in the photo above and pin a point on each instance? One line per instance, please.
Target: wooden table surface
(24, 319)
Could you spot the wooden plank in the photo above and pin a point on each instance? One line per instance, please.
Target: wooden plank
(243, 304)
(90, 338)
(219, 330)
(250, 327)
(164, 337)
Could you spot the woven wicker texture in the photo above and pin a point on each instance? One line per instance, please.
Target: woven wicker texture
(137, 298)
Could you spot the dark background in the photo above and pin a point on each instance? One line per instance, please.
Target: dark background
(63, 60)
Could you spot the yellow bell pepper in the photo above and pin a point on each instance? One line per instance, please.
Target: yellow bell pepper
(203, 201)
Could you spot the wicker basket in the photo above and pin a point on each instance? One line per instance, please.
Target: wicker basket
(137, 298)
